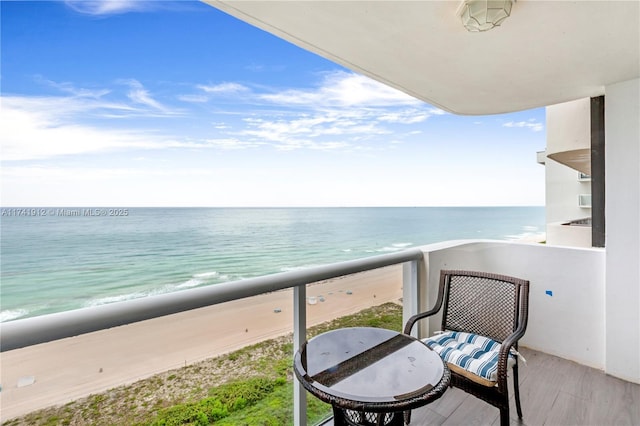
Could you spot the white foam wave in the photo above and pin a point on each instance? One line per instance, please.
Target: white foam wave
(193, 282)
(296, 268)
(113, 299)
(401, 245)
(206, 274)
(389, 248)
(11, 314)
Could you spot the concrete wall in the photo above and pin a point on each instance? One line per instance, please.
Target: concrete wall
(568, 323)
(568, 128)
(559, 234)
(562, 188)
(622, 212)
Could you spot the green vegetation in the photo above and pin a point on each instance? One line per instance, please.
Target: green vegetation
(251, 386)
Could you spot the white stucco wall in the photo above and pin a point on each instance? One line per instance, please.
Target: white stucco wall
(622, 212)
(559, 234)
(561, 193)
(568, 128)
(568, 322)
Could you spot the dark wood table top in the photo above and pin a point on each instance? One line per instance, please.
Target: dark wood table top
(371, 369)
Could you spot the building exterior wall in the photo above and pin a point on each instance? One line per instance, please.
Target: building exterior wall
(568, 129)
(622, 214)
(569, 126)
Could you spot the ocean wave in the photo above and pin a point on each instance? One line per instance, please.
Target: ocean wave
(393, 247)
(193, 282)
(201, 278)
(390, 248)
(401, 245)
(113, 299)
(11, 314)
(297, 268)
(206, 274)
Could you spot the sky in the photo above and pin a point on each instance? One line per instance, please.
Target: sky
(142, 104)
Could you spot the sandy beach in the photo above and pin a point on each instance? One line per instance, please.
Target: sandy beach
(58, 372)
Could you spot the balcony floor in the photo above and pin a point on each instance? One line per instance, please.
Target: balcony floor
(553, 391)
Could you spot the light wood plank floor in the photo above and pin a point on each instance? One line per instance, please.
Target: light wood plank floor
(553, 391)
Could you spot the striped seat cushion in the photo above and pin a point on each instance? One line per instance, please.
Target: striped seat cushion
(469, 353)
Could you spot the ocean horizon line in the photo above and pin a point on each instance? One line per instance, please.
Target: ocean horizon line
(255, 207)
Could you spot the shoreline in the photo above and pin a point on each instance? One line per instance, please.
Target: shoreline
(58, 372)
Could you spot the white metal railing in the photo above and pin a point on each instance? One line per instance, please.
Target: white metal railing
(31, 331)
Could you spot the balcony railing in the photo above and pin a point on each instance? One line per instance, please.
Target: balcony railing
(47, 328)
(567, 314)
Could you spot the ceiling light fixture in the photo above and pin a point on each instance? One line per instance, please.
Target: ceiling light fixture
(483, 15)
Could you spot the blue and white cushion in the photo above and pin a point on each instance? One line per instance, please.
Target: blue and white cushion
(472, 353)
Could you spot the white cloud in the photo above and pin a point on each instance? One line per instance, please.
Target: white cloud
(193, 98)
(138, 94)
(70, 88)
(531, 124)
(404, 117)
(223, 88)
(343, 112)
(342, 89)
(107, 7)
(296, 130)
(32, 134)
(351, 111)
(231, 143)
(44, 127)
(212, 90)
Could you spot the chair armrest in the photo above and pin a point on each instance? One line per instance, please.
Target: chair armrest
(411, 322)
(512, 340)
(505, 348)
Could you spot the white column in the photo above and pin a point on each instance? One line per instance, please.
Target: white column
(622, 215)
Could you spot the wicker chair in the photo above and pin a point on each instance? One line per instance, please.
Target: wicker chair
(490, 305)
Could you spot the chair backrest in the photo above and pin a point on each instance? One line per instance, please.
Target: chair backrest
(483, 303)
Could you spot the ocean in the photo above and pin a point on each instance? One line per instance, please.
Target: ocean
(59, 259)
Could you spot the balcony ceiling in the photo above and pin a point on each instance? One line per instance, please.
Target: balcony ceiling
(547, 52)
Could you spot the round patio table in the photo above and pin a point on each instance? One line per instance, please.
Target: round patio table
(371, 376)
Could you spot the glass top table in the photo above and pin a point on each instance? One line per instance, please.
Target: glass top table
(368, 374)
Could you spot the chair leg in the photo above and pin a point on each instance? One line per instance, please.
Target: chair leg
(407, 417)
(516, 390)
(504, 416)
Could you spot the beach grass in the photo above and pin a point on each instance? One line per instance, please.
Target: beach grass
(250, 386)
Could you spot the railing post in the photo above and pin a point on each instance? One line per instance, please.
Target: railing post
(410, 292)
(299, 337)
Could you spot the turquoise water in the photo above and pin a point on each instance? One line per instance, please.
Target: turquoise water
(55, 260)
